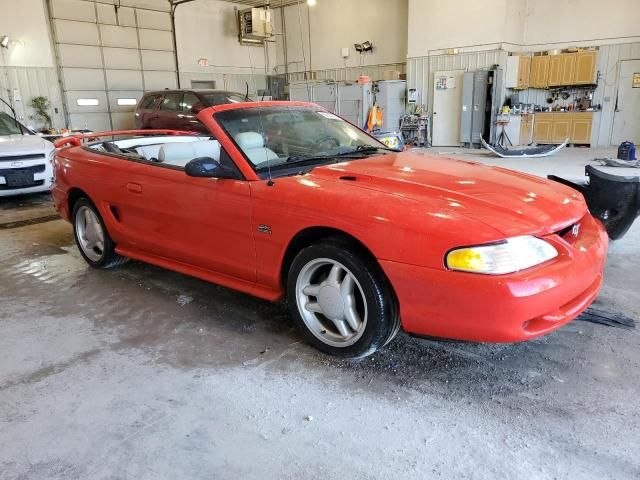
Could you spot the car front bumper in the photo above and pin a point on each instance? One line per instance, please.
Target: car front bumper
(42, 176)
(504, 308)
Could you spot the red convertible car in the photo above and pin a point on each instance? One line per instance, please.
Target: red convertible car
(287, 199)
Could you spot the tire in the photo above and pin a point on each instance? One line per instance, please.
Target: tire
(336, 322)
(102, 254)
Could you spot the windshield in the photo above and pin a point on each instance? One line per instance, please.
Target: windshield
(272, 137)
(220, 98)
(8, 125)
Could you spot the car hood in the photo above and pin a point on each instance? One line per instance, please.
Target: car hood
(23, 145)
(511, 202)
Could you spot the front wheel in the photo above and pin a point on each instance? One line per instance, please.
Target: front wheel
(341, 300)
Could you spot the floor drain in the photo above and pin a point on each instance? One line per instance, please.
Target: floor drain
(30, 221)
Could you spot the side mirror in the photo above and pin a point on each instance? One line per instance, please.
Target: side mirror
(197, 108)
(208, 167)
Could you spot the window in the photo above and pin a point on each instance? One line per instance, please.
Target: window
(276, 136)
(220, 98)
(189, 101)
(147, 102)
(9, 125)
(87, 102)
(171, 102)
(127, 101)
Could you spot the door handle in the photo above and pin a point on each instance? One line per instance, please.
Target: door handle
(134, 187)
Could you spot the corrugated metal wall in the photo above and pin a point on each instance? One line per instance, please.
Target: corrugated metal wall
(420, 75)
(609, 59)
(376, 72)
(21, 84)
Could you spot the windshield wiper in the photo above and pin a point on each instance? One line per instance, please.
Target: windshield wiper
(358, 152)
(371, 148)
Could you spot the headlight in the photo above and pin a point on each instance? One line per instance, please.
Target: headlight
(510, 256)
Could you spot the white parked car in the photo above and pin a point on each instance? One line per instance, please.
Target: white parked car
(25, 159)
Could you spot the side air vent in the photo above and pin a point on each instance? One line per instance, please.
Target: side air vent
(348, 178)
(114, 212)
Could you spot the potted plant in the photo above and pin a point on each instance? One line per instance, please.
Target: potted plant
(41, 106)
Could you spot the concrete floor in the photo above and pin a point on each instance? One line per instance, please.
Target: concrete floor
(147, 374)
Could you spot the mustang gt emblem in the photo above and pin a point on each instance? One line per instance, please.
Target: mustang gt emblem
(17, 164)
(575, 230)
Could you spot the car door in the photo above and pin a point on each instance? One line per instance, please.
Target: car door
(202, 222)
(168, 111)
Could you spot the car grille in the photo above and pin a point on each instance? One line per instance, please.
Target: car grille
(33, 168)
(14, 158)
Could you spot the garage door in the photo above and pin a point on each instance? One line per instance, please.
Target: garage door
(108, 55)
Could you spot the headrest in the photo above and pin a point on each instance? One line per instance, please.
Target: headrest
(249, 140)
(175, 151)
(206, 148)
(170, 152)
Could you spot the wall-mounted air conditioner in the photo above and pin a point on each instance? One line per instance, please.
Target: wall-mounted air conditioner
(255, 25)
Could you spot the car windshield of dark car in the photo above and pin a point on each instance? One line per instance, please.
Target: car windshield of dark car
(8, 126)
(221, 98)
(276, 137)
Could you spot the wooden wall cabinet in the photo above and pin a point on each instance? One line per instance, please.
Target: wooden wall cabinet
(557, 127)
(524, 70)
(569, 69)
(517, 75)
(585, 68)
(555, 70)
(539, 75)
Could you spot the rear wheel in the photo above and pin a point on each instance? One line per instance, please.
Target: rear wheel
(92, 238)
(341, 301)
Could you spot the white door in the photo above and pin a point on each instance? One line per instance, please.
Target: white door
(447, 104)
(626, 120)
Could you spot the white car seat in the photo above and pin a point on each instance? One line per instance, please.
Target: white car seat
(179, 154)
(149, 152)
(252, 144)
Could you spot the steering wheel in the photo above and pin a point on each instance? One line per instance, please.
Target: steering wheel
(327, 142)
(111, 148)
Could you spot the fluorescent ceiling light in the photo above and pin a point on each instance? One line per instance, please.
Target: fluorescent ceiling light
(311, 3)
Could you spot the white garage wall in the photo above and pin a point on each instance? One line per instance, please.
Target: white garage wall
(440, 24)
(589, 22)
(230, 63)
(27, 67)
(336, 24)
